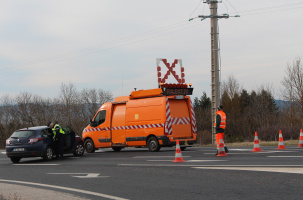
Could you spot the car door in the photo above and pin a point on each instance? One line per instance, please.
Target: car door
(47, 135)
(101, 136)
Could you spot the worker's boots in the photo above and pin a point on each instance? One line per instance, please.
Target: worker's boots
(226, 149)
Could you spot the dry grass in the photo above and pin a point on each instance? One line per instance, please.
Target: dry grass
(262, 143)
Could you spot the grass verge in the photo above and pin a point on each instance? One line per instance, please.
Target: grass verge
(262, 143)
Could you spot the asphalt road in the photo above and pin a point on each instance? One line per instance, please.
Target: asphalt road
(135, 173)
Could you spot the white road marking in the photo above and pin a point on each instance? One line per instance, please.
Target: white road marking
(230, 152)
(261, 169)
(167, 165)
(205, 160)
(88, 175)
(34, 164)
(160, 160)
(65, 188)
(226, 153)
(3, 152)
(187, 160)
(239, 149)
(285, 156)
(185, 165)
(281, 151)
(159, 156)
(100, 151)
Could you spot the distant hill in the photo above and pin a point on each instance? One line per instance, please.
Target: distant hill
(282, 104)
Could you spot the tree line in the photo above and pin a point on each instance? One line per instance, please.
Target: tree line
(72, 108)
(247, 112)
(256, 111)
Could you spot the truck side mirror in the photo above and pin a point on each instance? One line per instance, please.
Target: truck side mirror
(91, 123)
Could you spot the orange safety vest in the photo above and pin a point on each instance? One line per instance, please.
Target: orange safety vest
(223, 119)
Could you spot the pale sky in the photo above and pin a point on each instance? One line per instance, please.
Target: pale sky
(113, 44)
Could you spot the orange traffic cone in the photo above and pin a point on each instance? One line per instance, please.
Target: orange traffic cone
(178, 155)
(256, 144)
(301, 139)
(281, 142)
(221, 150)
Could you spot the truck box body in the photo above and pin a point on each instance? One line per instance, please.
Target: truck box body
(133, 120)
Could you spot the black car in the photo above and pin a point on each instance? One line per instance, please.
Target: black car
(38, 142)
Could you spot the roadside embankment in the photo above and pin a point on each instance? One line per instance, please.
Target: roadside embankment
(20, 192)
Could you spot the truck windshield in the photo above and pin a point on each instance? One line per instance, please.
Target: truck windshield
(100, 117)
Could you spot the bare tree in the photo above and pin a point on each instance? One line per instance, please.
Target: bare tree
(231, 86)
(71, 108)
(293, 89)
(24, 101)
(69, 98)
(104, 96)
(89, 99)
(9, 121)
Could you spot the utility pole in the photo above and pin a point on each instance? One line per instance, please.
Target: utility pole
(215, 65)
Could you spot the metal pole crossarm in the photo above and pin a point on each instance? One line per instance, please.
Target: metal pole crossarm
(214, 16)
(212, 1)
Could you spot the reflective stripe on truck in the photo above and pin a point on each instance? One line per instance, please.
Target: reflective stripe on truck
(174, 121)
(125, 127)
(193, 117)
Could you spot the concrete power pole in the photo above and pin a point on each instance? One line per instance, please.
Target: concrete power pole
(215, 65)
(215, 70)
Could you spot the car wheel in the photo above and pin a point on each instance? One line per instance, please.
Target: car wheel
(15, 159)
(48, 155)
(153, 144)
(89, 146)
(79, 151)
(117, 148)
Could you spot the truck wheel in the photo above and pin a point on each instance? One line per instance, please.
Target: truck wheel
(89, 146)
(79, 151)
(153, 144)
(48, 155)
(182, 148)
(15, 159)
(117, 148)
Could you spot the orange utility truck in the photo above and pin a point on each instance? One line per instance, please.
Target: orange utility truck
(154, 118)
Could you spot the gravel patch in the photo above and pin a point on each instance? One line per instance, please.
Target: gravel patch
(20, 192)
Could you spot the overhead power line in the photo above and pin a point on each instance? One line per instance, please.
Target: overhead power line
(129, 40)
(270, 9)
(136, 38)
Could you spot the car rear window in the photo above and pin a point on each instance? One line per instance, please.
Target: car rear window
(24, 134)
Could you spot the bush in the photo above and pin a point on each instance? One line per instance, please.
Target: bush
(204, 137)
(271, 132)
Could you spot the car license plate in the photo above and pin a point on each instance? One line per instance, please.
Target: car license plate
(18, 149)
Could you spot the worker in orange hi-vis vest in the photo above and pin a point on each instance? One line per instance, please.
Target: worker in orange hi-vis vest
(220, 126)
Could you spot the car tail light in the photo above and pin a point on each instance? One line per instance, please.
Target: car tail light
(8, 141)
(34, 140)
